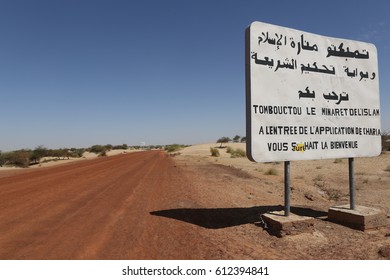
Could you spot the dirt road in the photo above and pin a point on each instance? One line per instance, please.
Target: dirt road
(108, 208)
(98, 209)
(146, 205)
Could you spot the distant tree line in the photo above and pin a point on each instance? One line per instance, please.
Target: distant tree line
(26, 157)
(236, 139)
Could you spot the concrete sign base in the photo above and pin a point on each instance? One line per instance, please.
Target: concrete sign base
(280, 225)
(361, 218)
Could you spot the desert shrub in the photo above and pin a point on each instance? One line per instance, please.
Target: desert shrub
(319, 182)
(229, 150)
(271, 171)
(102, 154)
(108, 147)
(135, 147)
(174, 147)
(214, 152)
(334, 194)
(59, 153)
(156, 147)
(2, 159)
(20, 158)
(38, 153)
(97, 149)
(338, 160)
(318, 178)
(385, 141)
(77, 153)
(120, 147)
(238, 153)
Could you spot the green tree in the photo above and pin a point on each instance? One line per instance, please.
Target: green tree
(77, 153)
(38, 153)
(97, 149)
(223, 140)
(2, 159)
(20, 158)
(120, 147)
(60, 153)
(108, 147)
(236, 138)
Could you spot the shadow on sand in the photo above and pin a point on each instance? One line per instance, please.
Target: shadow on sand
(215, 218)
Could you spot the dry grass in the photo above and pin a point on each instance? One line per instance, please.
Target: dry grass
(271, 171)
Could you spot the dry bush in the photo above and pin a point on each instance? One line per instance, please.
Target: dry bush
(272, 171)
(214, 152)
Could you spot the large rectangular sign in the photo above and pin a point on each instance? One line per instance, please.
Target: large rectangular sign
(310, 96)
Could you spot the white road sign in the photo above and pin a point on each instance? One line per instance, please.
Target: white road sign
(310, 96)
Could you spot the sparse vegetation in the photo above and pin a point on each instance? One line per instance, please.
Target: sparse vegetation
(238, 153)
(24, 158)
(271, 171)
(120, 147)
(38, 154)
(174, 147)
(2, 159)
(98, 149)
(214, 152)
(27, 157)
(223, 140)
(338, 160)
(19, 158)
(319, 182)
(385, 141)
(319, 177)
(229, 150)
(236, 138)
(235, 153)
(77, 153)
(333, 194)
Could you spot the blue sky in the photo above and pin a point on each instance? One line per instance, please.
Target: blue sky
(78, 73)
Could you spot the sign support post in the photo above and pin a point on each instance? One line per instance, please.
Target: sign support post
(351, 183)
(287, 187)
